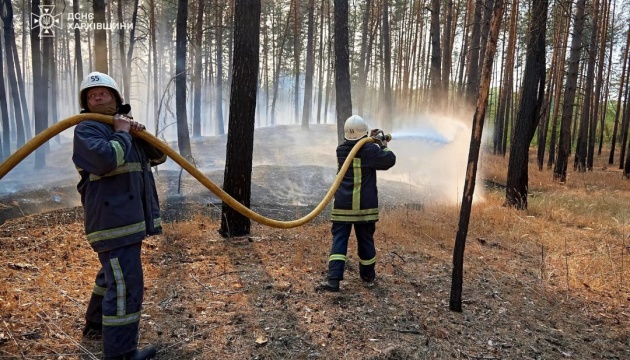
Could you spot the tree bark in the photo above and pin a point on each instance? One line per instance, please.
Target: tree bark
(342, 67)
(183, 137)
(240, 140)
(455, 302)
(564, 150)
(387, 62)
(529, 109)
(622, 82)
(473, 61)
(310, 68)
(197, 78)
(585, 131)
(7, 20)
(100, 38)
(436, 55)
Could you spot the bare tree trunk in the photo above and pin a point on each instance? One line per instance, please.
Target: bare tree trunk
(342, 67)
(183, 137)
(436, 55)
(604, 112)
(560, 170)
(276, 81)
(531, 100)
(219, 87)
(565, 16)
(362, 57)
(585, 120)
(320, 87)
(506, 89)
(619, 98)
(240, 141)
(387, 56)
(77, 44)
(473, 61)
(603, 30)
(310, 68)
(100, 37)
(455, 303)
(132, 43)
(23, 95)
(7, 20)
(447, 54)
(197, 78)
(153, 34)
(296, 62)
(625, 123)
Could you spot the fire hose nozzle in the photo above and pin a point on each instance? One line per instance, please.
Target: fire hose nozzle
(383, 137)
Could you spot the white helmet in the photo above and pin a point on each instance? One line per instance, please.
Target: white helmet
(95, 79)
(355, 128)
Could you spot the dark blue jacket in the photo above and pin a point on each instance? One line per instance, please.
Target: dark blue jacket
(117, 188)
(356, 199)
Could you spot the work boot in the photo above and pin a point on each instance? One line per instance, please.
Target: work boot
(329, 285)
(367, 273)
(148, 352)
(92, 330)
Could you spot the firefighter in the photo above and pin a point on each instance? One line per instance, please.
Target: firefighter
(356, 202)
(121, 208)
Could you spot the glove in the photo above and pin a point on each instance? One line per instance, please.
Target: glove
(373, 132)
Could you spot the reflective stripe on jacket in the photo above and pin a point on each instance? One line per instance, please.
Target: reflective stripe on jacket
(117, 188)
(356, 199)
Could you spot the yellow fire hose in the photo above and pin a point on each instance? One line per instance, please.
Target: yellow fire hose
(47, 134)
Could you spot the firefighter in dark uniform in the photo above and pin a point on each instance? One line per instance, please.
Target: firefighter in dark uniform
(356, 202)
(121, 208)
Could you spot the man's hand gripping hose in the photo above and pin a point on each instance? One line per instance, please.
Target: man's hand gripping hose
(21, 153)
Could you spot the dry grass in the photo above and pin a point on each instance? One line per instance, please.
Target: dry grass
(548, 282)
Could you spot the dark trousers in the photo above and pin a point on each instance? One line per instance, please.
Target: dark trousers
(365, 249)
(119, 309)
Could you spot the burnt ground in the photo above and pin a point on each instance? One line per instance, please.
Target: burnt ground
(254, 297)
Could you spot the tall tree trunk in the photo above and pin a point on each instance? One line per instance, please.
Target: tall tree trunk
(625, 123)
(219, 61)
(132, 43)
(197, 78)
(604, 113)
(447, 54)
(276, 81)
(564, 150)
(100, 37)
(527, 118)
(320, 87)
(506, 88)
(7, 20)
(4, 113)
(296, 62)
(310, 68)
(473, 61)
(436, 55)
(622, 82)
(342, 66)
(565, 16)
(183, 137)
(598, 84)
(240, 141)
(455, 302)
(121, 50)
(585, 117)
(362, 57)
(387, 62)
(40, 87)
(77, 44)
(153, 34)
